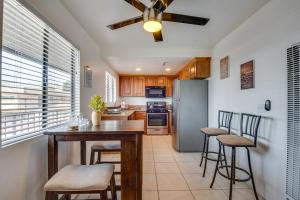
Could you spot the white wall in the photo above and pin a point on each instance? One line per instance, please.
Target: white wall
(264, 38)
(24, 165)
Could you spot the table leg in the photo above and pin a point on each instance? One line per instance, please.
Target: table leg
(129, 180)
(52, 162)
(140, 165)
(83, 152)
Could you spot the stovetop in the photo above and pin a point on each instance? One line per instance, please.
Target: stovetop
(157, 110)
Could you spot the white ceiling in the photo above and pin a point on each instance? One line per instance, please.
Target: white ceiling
(126, 48)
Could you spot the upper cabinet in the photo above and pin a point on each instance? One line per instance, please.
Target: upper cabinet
(197, 68)
(126, 83)
(134, 86)
(169, 86)
(138, 87)
(151, 80)
(161, 81)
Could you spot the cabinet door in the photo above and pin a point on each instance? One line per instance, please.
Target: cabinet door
(193, 70)
(126, 86)
(151, 81)
(169, 86)
(203, 68)
(140, 115)
(138, 86)
(161, 81)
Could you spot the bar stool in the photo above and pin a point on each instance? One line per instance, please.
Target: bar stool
(82, 179)
(224, 121)
(99, 148)
(249, 128)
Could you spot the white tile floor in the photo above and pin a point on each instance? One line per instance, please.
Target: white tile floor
(169, 175)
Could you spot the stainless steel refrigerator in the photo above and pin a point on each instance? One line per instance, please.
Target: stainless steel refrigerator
(190, 113)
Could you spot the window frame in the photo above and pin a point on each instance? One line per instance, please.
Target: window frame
(111, 96)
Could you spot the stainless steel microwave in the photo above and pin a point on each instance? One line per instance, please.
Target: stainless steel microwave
(155, 91)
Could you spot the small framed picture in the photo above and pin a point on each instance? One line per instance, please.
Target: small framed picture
(247, 75)
(224, 67)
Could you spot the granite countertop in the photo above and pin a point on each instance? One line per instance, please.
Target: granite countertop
(124, 113)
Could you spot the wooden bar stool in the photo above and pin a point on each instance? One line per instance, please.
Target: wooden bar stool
(99, 148)
(224, 121)
(248, 138)
(82, 179)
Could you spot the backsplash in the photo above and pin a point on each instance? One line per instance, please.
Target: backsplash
(143, 100)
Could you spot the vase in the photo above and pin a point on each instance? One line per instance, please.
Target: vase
(96, 118)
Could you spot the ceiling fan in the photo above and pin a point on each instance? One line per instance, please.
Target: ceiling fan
(152, 17)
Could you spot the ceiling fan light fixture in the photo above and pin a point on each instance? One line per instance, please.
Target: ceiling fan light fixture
(152, 26)
(152, 20)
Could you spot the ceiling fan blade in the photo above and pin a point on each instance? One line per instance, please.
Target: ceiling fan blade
(171, 17)
(162, 4)
(125, 23)
(158, 36)
(137, 4)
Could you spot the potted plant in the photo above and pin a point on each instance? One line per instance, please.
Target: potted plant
(97, 105)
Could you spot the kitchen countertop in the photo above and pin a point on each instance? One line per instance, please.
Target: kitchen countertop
(123, 115)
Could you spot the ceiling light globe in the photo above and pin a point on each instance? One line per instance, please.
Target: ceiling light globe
(152, 26)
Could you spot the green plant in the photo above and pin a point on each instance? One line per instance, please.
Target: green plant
(97, 104)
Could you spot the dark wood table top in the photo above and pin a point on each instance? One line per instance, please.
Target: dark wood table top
(106, 127)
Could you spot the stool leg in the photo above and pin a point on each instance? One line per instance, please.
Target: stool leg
(232, 172)
(103, 195)
(67, 197)
(217, 165)
(99, 157)
(92, 157)
(113, 188)
(206, 156)
(203, 151)
(225, 159)
(251, 174)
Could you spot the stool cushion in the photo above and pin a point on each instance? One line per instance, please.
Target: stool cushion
(213, 131)
(107, 146)
(235, 141)
(81, 178)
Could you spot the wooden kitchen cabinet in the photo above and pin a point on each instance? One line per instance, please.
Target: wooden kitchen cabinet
(169, 86)
(151, 81)
(134, 86)
(138, 86)
(161, 81)
(140, 115)
(197, 68)
(126, 85)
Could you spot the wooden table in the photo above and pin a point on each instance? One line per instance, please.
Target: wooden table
(130, 133)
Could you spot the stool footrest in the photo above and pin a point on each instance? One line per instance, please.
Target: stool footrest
(238, 168)
(213, 159)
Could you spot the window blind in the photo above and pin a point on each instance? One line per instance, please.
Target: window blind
(111, 90)
(39, 75)
(293, 131)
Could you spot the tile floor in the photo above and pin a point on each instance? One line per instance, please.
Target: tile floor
(169, 175)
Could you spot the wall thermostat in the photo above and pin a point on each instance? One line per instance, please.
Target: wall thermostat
(268, 105)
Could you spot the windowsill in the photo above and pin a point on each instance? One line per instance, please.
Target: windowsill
(24, 141)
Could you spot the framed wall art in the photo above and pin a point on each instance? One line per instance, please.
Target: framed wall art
(247, 75)
(224, 67)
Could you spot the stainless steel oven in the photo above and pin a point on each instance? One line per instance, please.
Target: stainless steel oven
(157, 118)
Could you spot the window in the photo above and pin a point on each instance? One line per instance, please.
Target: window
(293, 131)
(111, 90)
(39, 76)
